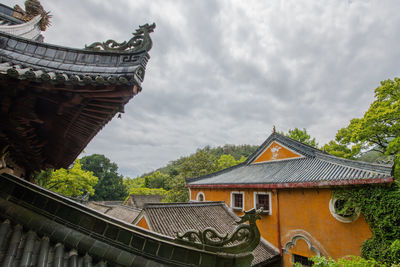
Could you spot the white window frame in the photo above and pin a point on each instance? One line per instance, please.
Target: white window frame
(233, 200)
(269, 212)
(200, 194)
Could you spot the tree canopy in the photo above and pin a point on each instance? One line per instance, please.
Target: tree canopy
(378, 132)
(172, 177)
(110, 185)
(71, 183)
(301, 136)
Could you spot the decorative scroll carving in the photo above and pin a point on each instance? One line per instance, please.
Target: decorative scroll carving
(140, 41)
(32, 9)
(244, 238)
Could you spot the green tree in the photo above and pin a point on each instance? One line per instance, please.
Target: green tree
(341, 150)
(302, 136)
(379, 129)
(131, 183)
(71, 183)
(147, 191)
(226, 161)
(178, 191)
(349, 261)
(110, 185)
(200, 163)
(157, 180)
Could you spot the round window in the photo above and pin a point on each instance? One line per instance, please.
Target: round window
(336, 207)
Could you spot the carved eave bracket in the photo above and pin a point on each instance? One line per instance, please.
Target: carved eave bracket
(244, 239)
(140, 41)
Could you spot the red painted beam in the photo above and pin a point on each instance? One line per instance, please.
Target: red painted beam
(299, 185)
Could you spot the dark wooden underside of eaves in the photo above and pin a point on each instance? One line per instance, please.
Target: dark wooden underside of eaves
(47, 124)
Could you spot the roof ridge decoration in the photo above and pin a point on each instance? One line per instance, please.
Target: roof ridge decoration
(140, 41)
(32, 9)
(245, 237)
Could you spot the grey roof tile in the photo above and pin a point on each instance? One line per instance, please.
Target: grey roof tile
(316, 166)
(171, 218)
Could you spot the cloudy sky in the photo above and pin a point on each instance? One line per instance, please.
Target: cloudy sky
(224, 72)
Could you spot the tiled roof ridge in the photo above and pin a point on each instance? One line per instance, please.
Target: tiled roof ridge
(9, 16)
(28, 59)
(119, 243)
(356, 164)
(250, 159)
(188, 180)
(75, 49)
(114, 206)
(182, 204)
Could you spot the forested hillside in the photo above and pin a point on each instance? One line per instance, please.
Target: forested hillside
(171, 178)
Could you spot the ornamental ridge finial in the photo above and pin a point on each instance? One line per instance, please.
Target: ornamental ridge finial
(140, 41)
(32, 9)
(245, 237)
(273, 129)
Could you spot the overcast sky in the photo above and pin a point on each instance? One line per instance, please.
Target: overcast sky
(225, 72)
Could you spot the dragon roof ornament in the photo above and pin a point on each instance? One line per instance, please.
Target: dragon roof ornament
(140, 41)
(32, 9)
(245, 237)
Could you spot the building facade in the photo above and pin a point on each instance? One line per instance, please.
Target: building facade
(294, 184)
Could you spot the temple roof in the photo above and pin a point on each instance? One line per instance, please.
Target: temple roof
(7, 16)
(54, 99)
(116, 210)
(32, 215)
(281, 162)
(11, 21)
(171, 218)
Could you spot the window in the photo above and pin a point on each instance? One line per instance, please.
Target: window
(345, 216)
(200, 196)
(237, 200)
(262, 199)
(302, 260)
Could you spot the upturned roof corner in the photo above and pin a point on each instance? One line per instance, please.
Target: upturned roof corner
(140, 41)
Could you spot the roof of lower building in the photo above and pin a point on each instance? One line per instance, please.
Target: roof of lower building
(172, 218)
(299, 165)
(116, 210)
(66, 229)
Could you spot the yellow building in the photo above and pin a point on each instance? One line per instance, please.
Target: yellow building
(293, 182)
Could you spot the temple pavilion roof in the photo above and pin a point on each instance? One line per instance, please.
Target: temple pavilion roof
(281, 162)
(172, 218)
(55, 99)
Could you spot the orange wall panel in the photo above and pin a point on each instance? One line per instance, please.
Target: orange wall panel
(276, 151)
(301, 211)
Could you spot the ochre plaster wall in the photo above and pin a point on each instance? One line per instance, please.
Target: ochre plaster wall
(302, 212)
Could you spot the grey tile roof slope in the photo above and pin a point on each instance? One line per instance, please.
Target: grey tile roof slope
(115, 243)
(20, 247)
(170, 218)
(124, 213)
(27, 59)
(315, 167)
